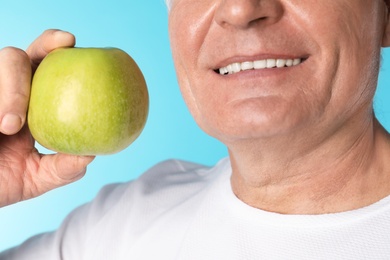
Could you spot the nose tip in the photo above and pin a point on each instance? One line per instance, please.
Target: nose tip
(244, 13)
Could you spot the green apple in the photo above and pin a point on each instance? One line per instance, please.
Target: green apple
(87, 101)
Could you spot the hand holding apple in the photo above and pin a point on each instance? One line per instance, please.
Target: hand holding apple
(87, 101)
(26, 173)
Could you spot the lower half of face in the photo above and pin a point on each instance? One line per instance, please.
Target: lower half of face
(308, 97)
(333, 81)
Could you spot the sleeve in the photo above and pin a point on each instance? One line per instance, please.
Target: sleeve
(68, 241)
(140, 201)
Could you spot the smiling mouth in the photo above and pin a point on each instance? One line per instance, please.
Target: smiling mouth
(258, 65)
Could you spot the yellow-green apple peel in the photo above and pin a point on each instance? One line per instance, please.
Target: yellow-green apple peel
(87, 101)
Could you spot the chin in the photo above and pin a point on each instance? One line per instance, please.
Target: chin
(267, 121)
(255, 127)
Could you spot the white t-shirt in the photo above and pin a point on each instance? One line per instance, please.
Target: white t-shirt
(183, 211)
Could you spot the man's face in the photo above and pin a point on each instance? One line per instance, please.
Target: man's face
(327, 53)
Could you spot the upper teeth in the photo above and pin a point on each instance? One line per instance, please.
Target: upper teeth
(258, 64)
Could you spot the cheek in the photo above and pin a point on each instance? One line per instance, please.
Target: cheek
(349, 52)
(356, 73)
(189, 22)
(202, 100)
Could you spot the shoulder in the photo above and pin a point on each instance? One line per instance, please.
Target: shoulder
(165, 184)
(175, 180)
(173, 173)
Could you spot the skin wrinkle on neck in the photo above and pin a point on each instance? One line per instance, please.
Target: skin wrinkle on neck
(316, 193)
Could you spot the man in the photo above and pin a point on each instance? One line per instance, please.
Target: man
(288, 86)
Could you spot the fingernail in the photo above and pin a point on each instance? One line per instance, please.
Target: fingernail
(11, 124)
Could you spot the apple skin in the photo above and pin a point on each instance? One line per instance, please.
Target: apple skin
(87, 101)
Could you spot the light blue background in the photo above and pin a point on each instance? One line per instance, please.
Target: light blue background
(139, 28)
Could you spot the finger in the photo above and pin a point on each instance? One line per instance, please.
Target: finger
(59, 169)
(47, 42)
(15, 78)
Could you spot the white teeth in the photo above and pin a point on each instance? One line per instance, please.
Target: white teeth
(259, 64)
(236, 67)
(280, 63)
(247, 65)
(289, 63)
(296, 62)
(271, 63)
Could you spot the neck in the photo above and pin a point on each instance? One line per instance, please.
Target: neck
(341, 172)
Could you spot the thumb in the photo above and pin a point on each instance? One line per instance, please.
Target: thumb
(48, 41)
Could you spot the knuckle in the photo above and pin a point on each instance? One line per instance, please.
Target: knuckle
(13, 55)
(15, 78)
(48, 33)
